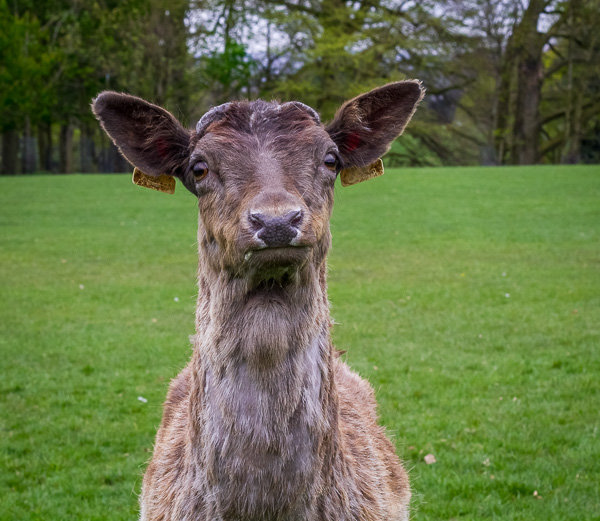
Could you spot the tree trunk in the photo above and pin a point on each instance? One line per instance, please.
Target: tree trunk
(86, 149)
(66, 148)
(503, 111)
(529, 45)
(572, 154)
(526, 125)
(520, 90)
(10, 150)
(44, 131)
(28, 157)
(110, 159)
(118, 162)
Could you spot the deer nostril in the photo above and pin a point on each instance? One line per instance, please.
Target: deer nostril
(295, 217)
(260, 220)
(257, 219)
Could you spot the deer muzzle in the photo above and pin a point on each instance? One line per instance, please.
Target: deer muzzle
(276, 230)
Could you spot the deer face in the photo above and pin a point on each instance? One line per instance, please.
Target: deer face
(263, 172)
(264, 176)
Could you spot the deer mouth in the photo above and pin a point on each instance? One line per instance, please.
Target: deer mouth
(271, 268)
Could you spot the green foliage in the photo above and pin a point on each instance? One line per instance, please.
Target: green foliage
(25, 64)
(228, 72)
(469, 297)
(410, 151)
(507, 81)
(57, 56)
(345, 50)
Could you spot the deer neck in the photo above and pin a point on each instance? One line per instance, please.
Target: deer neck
(263, 393)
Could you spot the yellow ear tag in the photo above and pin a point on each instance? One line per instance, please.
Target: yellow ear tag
(163, 183)
(358, 174)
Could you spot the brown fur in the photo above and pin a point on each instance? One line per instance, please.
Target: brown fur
(267, 423)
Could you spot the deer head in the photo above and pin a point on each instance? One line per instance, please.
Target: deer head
(263, 172)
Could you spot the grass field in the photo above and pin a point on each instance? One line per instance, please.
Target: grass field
(469, 297)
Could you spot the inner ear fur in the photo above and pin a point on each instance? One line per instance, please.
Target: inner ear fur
(364, 127)
(147, 135)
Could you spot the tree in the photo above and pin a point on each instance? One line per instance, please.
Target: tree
(24, 64)
(505, 74)
(571, 96)
(507, 81)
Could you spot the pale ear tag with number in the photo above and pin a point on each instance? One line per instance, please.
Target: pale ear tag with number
(162, 183)
(358, 174)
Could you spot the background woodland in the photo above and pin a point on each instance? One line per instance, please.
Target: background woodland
(508, 81)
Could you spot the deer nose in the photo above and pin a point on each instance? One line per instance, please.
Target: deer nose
(276, 230)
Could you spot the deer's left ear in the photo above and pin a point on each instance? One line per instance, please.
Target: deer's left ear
(364, 127)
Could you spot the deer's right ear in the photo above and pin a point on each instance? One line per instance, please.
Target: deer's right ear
(148, 136)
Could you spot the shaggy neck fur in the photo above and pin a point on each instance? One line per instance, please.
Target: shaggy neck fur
(263, 429)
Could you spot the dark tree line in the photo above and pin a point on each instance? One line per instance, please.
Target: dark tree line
(55, 56)
(509, 82)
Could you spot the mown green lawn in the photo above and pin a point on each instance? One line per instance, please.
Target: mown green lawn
(469, 297)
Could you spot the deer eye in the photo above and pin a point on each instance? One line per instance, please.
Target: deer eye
(200, 170)
(331, 162)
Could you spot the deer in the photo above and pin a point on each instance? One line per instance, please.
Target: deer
(266, 422)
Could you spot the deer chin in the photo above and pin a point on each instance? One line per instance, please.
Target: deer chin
(271, 269)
